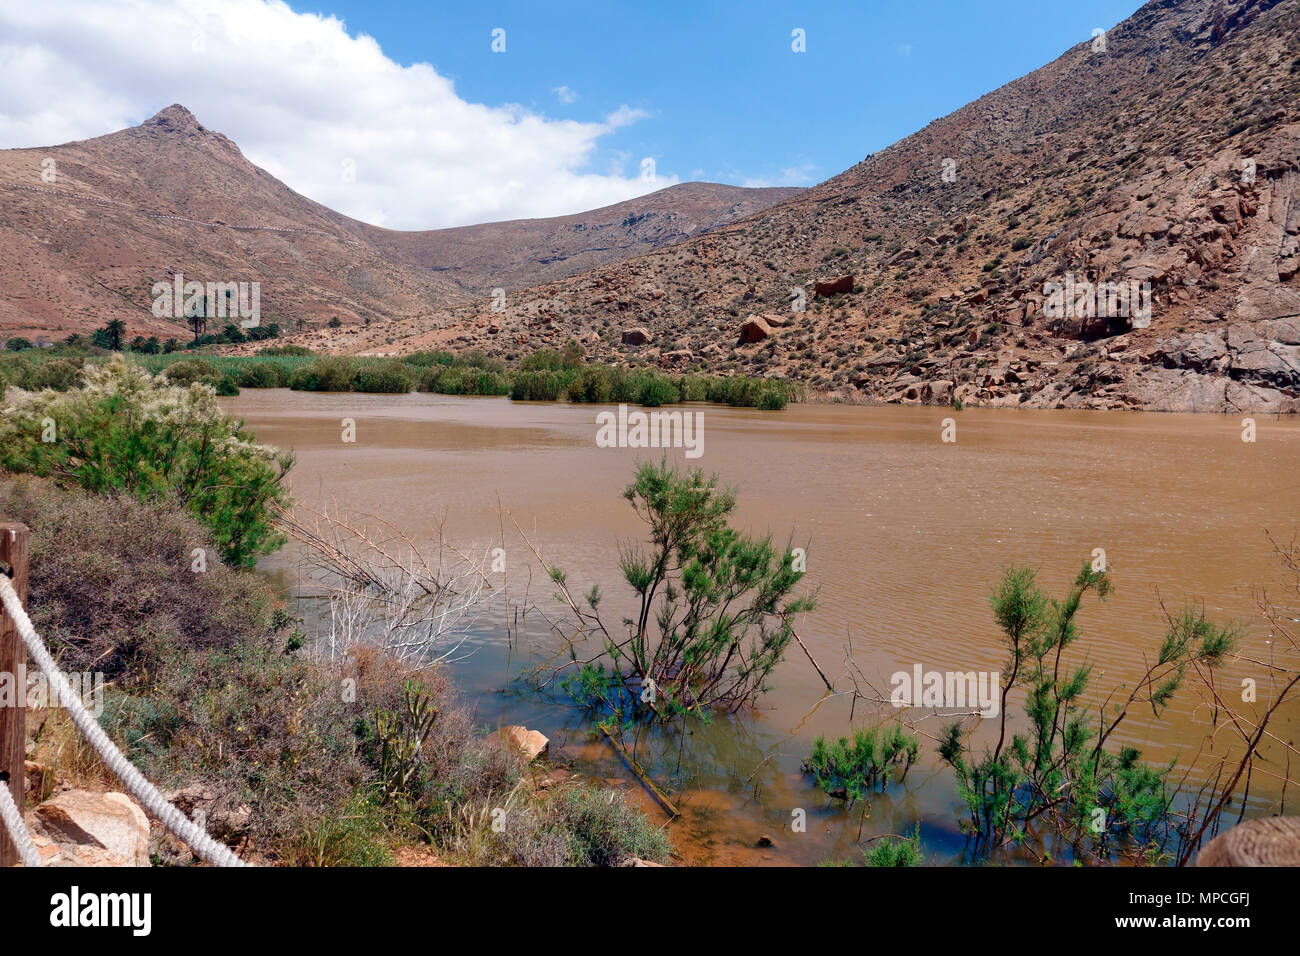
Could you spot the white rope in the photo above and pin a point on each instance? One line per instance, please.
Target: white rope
(13, 821)
(140, 788)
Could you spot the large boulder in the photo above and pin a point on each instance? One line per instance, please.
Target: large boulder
(638, 336)
(829, 287)
(938, 392)
(84, 828)
(754, 330)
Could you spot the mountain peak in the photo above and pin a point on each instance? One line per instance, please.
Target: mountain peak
(177, 119)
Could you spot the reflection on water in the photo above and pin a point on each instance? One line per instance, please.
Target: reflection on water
(905, 535)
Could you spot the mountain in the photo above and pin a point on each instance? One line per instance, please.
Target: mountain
(168, 196)
(1165, 153)
(524, 252)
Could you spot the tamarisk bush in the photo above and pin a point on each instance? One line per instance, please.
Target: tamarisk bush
(1059, 778)
(714, 607)
(127, 431)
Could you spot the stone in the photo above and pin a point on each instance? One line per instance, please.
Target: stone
(829, 287)
(938, 392)
(34, 775)
(754, 330)
(221, 819)
(109, 822)
(638, 336)
(1267, 841)
(676, 357)
(530, 743)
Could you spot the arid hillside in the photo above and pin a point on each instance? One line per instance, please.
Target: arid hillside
(86, 229)
(524, 252)
(1165, 153)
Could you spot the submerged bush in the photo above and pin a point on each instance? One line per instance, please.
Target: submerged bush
(848, 769)
(716, 606)
(896, 851)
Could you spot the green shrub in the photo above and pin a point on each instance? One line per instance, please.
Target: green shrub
(590, 384)
(59, 374)
(656, 391)
(429, 359)
(604, 831)
(355, 836)
(126, 431)
(539, 386)
(387, 377)
(463, 380)
(896, 851)
(261, 375)
(188, 371)
(329, 373)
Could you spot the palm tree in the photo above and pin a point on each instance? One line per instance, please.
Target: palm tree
(115, 329)
(197, 322)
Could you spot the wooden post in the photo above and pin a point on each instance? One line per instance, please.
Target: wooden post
(13, 667)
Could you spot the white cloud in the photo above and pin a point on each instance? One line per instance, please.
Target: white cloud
(565, 95)
(300, 97)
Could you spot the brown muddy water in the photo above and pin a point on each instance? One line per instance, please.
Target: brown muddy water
(905, 535)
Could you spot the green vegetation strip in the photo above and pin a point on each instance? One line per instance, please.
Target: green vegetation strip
(547, 376)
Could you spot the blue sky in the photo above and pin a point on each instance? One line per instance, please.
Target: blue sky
(726, 99)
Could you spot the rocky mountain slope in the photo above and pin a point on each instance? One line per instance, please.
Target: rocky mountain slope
(86, 228)
(1165, 153)
(524, 252)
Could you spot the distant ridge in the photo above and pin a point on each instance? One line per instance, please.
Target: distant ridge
(172, 195)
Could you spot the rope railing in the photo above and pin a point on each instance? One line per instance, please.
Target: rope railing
(13, 821)
(150, 798)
